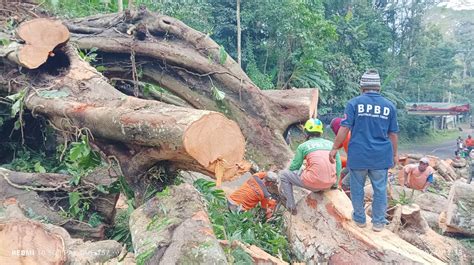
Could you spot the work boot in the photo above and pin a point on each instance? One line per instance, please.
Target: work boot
(361, 225)
(293, 211)
(378, 227)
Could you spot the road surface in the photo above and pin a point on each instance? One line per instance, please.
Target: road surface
(444, 149)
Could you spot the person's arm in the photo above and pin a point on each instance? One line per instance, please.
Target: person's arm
(298, 159)
(428, 183)
(338, 166)
(394, 139)
(340, 137)
(393, 134)
(346, 125)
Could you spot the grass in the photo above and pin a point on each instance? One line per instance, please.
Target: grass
(435, 137)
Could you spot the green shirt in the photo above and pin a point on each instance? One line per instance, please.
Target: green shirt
(312, 145)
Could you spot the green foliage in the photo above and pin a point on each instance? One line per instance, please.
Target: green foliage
(403, 198)
(412, 126)
(121, 230)
(249, 227)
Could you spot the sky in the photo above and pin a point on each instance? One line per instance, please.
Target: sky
(458, 4)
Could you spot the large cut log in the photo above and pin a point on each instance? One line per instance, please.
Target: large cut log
(26, 241)
(42, 195)
(195, 68)
(149, 131)
(173, 228)
(459, 216)
(41, 37)
(323, 231)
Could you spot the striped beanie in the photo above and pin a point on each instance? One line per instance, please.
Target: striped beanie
(370, 79)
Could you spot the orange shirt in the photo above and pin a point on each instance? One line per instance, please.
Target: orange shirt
(417, 179)
(250, 194)
(469, 142)
(345, 144)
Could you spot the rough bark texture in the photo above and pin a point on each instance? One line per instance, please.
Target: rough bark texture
(47, 243)
(149, 131)
(191, 65)
(323, 231)
(173, 228)
(459, 216)
(42, 194)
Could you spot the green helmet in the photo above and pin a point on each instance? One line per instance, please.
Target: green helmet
(314, 125)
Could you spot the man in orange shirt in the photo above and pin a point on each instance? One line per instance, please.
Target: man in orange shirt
(254, 191)
(469, 142)
(418, 177)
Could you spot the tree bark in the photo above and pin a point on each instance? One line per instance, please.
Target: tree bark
(189, 63)
(41, 195)
(239, 38)
(149, 130)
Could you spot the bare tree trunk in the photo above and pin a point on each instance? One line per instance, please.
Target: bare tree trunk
(239, 37)
(120, 5)
(189, 64)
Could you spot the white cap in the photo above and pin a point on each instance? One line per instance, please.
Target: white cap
(425, 160)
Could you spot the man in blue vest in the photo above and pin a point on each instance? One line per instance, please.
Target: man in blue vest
(372, 121)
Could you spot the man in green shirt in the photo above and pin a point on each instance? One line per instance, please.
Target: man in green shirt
(319, 173)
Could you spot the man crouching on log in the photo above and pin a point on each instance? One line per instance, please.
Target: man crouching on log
(255, 190)
(319, 173)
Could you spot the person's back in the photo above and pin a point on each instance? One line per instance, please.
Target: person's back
(251, 192)
(370, 146)
(319, 173)
(372, 121)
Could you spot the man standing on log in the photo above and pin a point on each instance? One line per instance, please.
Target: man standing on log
(418, 177)
(372, 121)
(318, 173)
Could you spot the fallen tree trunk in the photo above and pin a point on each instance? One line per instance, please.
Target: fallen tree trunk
(149, 131)
(43, 195)
(415, 230)
(193, 67)
(26, 241)
(324, 232)
(459, 216)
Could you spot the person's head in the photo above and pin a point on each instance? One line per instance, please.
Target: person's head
(271, 177)
(469, 136)
(313, 128)
(370, 81)
(335, 124)
(424, 163)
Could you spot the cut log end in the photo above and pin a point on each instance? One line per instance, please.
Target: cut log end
(214, 140)
(41, 36)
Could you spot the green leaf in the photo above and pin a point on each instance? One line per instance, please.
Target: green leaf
(39, 168)
(17, 125)
(217, 94)
(16, 107)
(222, 55)
(4, 42)
(100, 68)
(74, 199)
(53, 94)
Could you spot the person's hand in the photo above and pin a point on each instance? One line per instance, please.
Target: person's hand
(332, 156)
(269, 213)
(395, 159)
